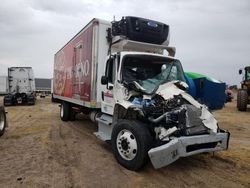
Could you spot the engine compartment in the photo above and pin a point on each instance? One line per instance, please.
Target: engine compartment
(175, 113)
(169, 112)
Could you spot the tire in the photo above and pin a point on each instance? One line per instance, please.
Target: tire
(133, 138)
(242, 100)
(65, 111)
(3, 121)
(7, 100)
(31, 101)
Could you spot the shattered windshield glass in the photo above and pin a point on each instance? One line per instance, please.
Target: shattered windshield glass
(147, 73)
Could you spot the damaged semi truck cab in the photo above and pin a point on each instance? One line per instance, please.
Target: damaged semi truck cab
(144, 108)
(147, 112)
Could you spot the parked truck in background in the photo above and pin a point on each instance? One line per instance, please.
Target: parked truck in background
(21, 86)
(124, 75)
(243, 95)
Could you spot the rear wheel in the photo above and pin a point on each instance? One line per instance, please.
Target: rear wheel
(31, 100)
(65, 111)
(242, 99)
(3, 121)
(7, 100)
(131, 141)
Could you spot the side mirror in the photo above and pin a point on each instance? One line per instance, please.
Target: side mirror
(104, 80)
(240, 71)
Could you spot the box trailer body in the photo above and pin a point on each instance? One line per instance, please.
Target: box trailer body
(3, 85)
(136, 91)
(79, 66)
(21, 86)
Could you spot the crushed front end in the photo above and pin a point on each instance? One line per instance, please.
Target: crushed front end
(155, 94)
(187, 145)
(180, 125)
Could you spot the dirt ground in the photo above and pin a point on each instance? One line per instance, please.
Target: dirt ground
(39, 150)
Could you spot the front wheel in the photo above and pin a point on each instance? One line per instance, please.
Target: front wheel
(242, 99)
(131, 142)
(3, 121)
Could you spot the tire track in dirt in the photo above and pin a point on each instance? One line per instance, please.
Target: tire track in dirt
(52, 153)
(62, 174)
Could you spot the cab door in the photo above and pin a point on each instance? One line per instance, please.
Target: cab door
(107, 95)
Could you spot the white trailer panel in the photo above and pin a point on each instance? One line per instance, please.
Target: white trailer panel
(21, 80)
(3, 85)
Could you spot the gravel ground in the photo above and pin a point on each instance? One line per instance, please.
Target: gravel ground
(39, 150)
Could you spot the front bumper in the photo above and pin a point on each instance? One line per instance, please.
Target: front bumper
(188, 145)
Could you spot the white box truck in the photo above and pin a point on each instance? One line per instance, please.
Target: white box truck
(124, 75)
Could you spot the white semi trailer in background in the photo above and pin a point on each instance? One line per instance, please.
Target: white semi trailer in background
(124, 75)
(21, 86)
(3, 85)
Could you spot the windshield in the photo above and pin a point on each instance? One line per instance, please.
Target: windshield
(148, 72)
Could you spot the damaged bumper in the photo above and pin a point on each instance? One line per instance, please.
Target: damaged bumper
(185, 146)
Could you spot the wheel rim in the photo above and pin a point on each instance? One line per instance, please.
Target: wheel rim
(126, 144)
(2, 121)
(61, 111)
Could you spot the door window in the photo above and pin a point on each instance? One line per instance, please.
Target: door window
(111, 71)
